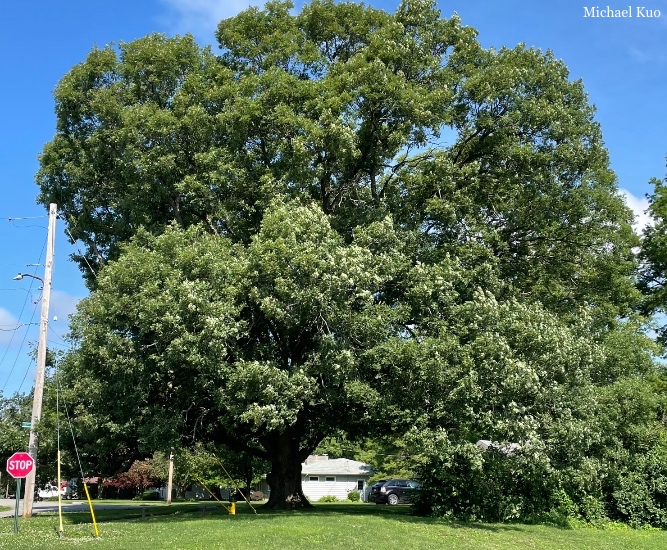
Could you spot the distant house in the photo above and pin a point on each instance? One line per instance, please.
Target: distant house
(507, 449)
(321, 476)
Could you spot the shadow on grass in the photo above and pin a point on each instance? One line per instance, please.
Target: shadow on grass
(400, 513)
(211, 510)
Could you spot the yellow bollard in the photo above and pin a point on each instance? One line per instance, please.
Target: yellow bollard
(232, 508)
(92, 512)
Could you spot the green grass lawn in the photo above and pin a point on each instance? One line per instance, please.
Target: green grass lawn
(331, 526)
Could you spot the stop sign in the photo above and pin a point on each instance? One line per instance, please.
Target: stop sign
(20, 465)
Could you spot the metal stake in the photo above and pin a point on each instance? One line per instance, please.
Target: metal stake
(16, 508)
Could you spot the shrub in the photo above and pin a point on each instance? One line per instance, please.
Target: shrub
(640, 493)
(328, 498)
(354, 496)
(466, 482)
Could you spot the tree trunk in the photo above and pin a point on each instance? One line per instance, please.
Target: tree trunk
(247, 475)
(285, 477)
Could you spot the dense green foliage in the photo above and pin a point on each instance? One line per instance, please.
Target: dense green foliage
(360, 222)
(597, 454)
(348, 106)
(653, 255)
(13, 411)
(296, 286)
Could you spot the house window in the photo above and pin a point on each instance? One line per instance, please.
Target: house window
(330, 478)
(360, 485)
(313, 478)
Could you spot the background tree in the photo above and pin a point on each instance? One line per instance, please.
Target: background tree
(13, 411)
(16, 410)
(653, 255)
(308, 214)
(571, 432)
(391, 456)
(137, 479)
(215, 466)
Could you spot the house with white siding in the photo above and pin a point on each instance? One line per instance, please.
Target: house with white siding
(321, 476)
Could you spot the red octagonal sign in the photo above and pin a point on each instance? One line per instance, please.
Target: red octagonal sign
(20, 465)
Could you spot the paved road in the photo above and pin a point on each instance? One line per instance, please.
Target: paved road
(48, 506)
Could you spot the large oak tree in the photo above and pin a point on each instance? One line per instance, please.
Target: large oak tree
(305, 203)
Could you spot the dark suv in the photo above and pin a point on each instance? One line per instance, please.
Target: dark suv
(396, 491)
(375, 489)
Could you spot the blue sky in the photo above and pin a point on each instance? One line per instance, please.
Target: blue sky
(622, 62)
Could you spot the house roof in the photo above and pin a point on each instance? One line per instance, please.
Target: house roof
(507, 448)
(337, 466)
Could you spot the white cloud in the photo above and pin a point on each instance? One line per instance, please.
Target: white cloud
(201, 17)
(639, 206)
(645, 56)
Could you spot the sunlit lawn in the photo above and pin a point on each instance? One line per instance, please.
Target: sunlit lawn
(331, 526)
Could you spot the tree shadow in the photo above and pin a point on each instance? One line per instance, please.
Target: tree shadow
(399, 513)
(209, 510)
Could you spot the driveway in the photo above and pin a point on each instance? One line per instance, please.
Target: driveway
(48, 506)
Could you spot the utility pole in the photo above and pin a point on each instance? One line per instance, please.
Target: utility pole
(41, 364)
(171, 476)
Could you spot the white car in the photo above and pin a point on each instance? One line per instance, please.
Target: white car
(49, 491)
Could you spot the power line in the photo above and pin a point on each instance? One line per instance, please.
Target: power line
(18, 354)
(32, 361)
(57, 345)
(58, 335)
(12, 338)
(15, 288)
(15, 218)
(27, 226)
(78, 249)
(16, 327)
